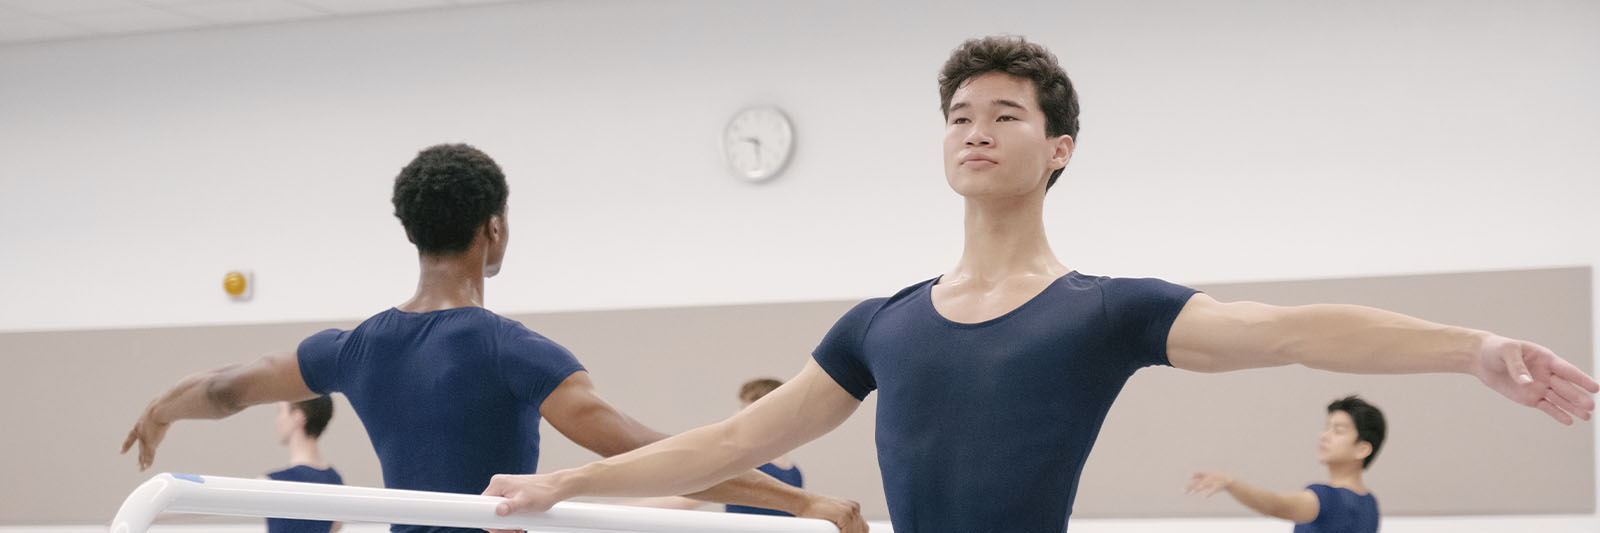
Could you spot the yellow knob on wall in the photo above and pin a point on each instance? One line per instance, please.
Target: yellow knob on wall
(238, 284)
(234, 283)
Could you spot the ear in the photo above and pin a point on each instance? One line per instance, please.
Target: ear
(495, 229)
(1064, 146)
(1363, 450)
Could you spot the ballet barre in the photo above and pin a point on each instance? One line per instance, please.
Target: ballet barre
(215, 495)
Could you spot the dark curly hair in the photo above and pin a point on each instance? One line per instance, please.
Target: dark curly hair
(1370, 427)
(1017, 57)
(445, 195)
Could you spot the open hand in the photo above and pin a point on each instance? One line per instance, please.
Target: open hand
(1208, 483)
(147, 432)
(1534, 376)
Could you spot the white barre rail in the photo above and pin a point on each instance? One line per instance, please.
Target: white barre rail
(214, 495)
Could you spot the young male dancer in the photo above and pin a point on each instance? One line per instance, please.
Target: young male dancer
(1350, 441)
(994, 377)
(450, 392)
(300, 426)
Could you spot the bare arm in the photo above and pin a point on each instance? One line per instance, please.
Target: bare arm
(1299, 506)
(217, 394)
(803, 409)
(583, 417)
(664, 502)
(1212, 336)
(578, 413)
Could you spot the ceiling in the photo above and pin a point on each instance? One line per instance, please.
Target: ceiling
(27, 21)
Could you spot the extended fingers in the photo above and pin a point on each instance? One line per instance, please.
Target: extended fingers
(1554, 412)
(1565, 405)
(1571, 374)
(1201, 483)
(1579, 400)
(147, 454)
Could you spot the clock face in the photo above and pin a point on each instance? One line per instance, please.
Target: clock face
(757, 143)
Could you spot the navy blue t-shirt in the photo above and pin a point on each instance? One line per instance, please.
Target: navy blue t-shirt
(449, 398)
(303, 474)
(789, 475)
(1341, 511)
(986, 426)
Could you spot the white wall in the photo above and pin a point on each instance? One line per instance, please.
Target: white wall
(1222, 141)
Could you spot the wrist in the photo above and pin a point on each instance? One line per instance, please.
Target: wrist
(156, 415)
(573, 482)
(796, 501)
(1475, 343)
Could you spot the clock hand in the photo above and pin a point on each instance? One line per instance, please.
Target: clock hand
(754, 143)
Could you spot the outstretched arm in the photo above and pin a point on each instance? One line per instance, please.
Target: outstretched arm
(1299, 506)
(577, 412)
(664, 502)
(802, 409)
(1212, 336)
(217, 394)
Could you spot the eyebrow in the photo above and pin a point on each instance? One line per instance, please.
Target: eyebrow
(1009, 103)
(1001, 102)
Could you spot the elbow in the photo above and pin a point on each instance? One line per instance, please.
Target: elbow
(1283, 343)
(1291, 351)
(224, 392)
(729, 442)
(736, 446)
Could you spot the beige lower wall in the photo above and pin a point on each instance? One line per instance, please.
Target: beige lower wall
(1455, 448)
(1474, 524)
